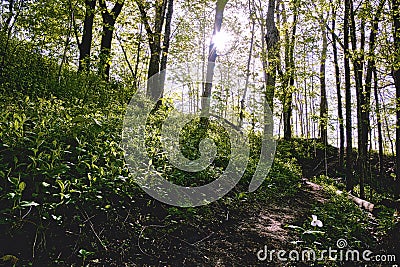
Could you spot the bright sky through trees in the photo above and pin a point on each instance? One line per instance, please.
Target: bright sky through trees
(221, 40)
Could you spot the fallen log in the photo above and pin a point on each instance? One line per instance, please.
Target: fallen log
(368, 206)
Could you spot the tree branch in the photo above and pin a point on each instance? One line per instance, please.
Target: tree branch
(145, 20)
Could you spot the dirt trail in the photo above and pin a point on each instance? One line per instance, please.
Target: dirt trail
(237, 244)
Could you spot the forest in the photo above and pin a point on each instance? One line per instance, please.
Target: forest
(199, 133)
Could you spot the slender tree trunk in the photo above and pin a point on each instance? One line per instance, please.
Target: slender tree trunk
(166, 42)
(379, 123)
(263, 53)
(66, 45)
(167, 35)
(87, 36)
(285, 77)
(272, 41)
(307, 133)
(242, 101)
(158, 53)
(349, 139)
(368, 80)
(212, 56)
(386, 125)
(289, 80)
(126, 56)
(362, 120)
(138, 50)
(396, 77)
(324, 102)
(338, 91)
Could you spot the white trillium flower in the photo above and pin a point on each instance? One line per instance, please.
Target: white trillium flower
(315, 221)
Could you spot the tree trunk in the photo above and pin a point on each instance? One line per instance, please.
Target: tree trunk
(379, 123)
(324, 102)
(138, 50)
(105, 50)
(66, 44)
(289, 79)
(362, 113)
(338, 91)
(14, 12)
(396, 77)
(86, 45)
(242, 101)
(292, 72)
(158, 54)
(368, 80)
(212, 56)
(109, 19)
(126, 57)
(166, 42)
(167, 35)
(349, 139)
(272, 41)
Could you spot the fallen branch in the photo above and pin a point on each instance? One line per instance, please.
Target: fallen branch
(368, 206)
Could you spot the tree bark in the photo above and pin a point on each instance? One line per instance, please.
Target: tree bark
(349, 139)
(324, 102)
(396, 77)
(66, 44)
(338, 91)
(14, 12)
(272, 41)
(166, 42)
(138, 49)
(379, 123)
(158, 52)
(362, 109)
(87, 36)
(212, 56)
(368, 81)
(126, 57)
(109, 19)
(242, 101)
(167, 35)
(289, 79)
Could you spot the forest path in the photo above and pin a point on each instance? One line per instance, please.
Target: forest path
(264, 226)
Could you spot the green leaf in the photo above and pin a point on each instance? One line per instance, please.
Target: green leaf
(61, 184)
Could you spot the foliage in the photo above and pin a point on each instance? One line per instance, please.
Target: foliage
(62, 169)
(26, 72)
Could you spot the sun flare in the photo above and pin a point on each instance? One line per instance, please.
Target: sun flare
(220, 40)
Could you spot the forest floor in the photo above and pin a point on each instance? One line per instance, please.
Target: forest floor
(238, 238)
(239, 243)
(236, 241)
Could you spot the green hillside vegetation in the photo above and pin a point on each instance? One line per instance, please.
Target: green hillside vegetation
(67, 197)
